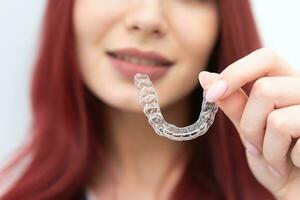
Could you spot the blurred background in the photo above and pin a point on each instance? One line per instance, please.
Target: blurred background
(20, 22)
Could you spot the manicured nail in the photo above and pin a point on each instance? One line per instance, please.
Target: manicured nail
(251, 149)
(216, 90)
(274, 171)
(203, 78)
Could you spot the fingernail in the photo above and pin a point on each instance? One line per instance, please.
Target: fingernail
(203, 78)
(216, 90)
(251, 149)
(274, 171)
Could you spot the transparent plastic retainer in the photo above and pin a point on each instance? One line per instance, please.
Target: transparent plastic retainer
(149, 100)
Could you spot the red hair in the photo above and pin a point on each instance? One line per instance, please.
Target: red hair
(65, 136)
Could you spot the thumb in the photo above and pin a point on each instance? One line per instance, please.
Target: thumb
(233, 105)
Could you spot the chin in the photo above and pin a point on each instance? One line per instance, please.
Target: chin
(123, 104)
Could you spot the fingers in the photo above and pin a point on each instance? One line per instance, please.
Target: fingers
(267, 94)
(268, 120)
(260, 63)
(282, 126)
(206, 78)
(238, 98)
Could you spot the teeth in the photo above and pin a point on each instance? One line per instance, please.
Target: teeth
(137, 60)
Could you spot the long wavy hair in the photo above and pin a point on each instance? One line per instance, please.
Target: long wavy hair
(65, 135)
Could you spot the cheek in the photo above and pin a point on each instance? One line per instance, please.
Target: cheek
(92, 18)
(199, 34)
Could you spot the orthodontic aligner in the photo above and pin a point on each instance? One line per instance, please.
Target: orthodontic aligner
(148, 98)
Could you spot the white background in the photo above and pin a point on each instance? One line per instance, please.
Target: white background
(19, 22)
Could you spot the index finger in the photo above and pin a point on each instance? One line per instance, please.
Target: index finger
(260, 63)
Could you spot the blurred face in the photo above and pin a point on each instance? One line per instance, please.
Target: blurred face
(171, 40)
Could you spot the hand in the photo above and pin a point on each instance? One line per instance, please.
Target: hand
(268, 120)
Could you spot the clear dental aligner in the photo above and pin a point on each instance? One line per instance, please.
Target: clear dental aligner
(149, 100)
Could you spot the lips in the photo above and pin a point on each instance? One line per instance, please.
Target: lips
(128, 68)
(146, 55)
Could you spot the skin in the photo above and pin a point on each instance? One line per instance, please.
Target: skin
(138, 156)
(267, 120)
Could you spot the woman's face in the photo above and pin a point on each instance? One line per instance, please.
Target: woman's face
(183, 31)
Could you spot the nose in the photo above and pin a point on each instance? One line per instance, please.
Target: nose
(148, 19)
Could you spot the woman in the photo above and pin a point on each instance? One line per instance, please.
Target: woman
(90, 138)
